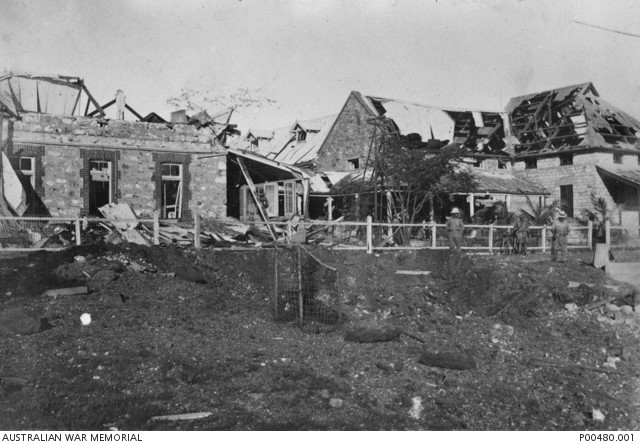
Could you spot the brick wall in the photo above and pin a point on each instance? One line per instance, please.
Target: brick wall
(582, 175)
(65, 145)
(349, 138)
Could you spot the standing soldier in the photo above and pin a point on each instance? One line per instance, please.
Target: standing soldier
(560, 231)
(521, 232)
(455, 227)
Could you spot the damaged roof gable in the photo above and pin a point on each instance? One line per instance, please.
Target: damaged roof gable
(481, 131)
(568, 118)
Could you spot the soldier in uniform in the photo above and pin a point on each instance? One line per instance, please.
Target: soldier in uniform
(455, 226)
(560, 232)
(521, 232)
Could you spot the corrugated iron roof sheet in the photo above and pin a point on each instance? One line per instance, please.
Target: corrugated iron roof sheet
(621, 172)
(284, 147)
(498, 181)
(26, 92)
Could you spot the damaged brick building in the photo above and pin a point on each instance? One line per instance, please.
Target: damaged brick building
(576, 144)
(70, 163)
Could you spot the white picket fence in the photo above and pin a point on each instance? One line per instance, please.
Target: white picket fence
(354, 235)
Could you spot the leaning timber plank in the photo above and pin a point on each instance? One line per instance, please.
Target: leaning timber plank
(252, 188)
(324, 226)
(413, 272)
(190, 416)
(66, 291)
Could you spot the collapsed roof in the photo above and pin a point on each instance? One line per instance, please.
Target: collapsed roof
(569, 118)
(22, 92)
(480, 131)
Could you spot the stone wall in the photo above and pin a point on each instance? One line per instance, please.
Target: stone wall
(582, 175)
(349, 138)
(65, 145)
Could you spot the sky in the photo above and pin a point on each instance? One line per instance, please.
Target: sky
(307, 55)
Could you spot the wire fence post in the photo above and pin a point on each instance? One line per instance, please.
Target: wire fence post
(369, 234)
(156, 228)
(544, 239)
(590, 235)
(491, 238)
(300, 294)
(196, 231)
(78, 240)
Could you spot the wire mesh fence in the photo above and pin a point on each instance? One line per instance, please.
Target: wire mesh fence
(306, 290)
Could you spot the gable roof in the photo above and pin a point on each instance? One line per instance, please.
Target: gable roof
(568, 118)
(283, 146)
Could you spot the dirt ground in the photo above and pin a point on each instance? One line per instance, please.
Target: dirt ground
(182, 331)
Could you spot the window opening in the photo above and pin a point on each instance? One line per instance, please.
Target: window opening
(617, 158)
(566, 160)
(99, 185)
(353, 163)
(171, 186)
(27, 167)
(531, 163)
(566, 199)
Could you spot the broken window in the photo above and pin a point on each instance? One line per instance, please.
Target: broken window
(99, 185)
(353, 164)
(566, 160)
(171, 189)
(278, 198)
(530, 164)
(617, 158)
(27, 166)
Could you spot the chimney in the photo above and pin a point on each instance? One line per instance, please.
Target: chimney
(121, 101)
(179, 117)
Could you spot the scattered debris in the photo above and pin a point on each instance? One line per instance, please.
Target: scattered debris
(85, 319)
(597, 415)
(416, 408)
(571, 307)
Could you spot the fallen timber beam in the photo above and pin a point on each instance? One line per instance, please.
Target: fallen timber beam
(254, 194)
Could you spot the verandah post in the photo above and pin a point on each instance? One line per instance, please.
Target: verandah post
(544, 239)
(590, 235)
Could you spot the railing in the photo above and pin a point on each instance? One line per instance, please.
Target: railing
(49, 233)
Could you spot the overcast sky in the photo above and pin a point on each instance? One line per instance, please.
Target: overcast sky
(309, 54)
